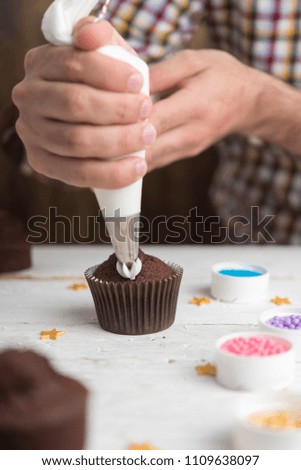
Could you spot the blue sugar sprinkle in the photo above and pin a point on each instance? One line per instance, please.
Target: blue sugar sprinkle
(239, 273)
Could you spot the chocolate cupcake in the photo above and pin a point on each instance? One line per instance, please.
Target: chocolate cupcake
(143, 306)
(39, 408)
(14, 249)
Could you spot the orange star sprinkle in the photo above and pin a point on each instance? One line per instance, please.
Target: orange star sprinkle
(206, 369)
(200, 301)
(77, 287)
(142, 446)
(52, 334)
(281, 300)
(281, 419)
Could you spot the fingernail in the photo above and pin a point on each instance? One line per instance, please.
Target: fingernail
(141, 167)
(149, 134)
(135, 82)
(146, 109)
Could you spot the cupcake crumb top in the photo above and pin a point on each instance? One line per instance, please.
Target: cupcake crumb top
(153, 269)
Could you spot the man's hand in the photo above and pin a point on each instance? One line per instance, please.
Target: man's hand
(79, 110)
(214, 95)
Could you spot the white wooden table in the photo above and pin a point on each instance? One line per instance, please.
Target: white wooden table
(142, 388)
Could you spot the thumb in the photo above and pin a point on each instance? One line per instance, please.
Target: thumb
(90, 33)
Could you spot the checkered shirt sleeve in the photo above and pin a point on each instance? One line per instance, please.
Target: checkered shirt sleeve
(155, 28)
(265, 34)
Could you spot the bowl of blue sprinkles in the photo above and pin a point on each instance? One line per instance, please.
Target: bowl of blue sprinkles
(239, 282)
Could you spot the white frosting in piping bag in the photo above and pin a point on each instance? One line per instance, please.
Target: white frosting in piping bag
(129, 273)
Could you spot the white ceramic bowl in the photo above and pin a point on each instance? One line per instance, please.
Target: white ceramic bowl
(292, 335)
(239, 372)
(248, 436)
(239, 289)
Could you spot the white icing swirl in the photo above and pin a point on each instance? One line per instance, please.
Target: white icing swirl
(129, 273)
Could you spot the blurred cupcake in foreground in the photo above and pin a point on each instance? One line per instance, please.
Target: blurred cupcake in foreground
(40, 409)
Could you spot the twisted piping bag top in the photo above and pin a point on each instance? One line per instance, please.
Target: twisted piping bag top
(60, 18)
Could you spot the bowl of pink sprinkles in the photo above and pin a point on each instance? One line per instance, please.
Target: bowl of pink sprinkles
(256, 345)
(254, 361)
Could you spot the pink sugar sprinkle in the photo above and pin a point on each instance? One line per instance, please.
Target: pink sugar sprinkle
(259, 345)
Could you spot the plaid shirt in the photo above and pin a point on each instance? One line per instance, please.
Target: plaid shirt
(265, 34)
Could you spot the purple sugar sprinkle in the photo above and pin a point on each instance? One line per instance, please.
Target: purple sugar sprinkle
(291, 322)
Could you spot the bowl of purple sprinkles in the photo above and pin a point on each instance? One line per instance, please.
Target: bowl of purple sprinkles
(284, 321)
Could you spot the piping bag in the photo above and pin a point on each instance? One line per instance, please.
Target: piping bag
(120, 207)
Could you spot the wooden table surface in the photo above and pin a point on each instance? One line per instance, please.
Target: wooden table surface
(143, 388)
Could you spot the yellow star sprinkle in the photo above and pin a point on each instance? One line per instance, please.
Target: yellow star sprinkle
(52, 334)
(281, 300)
(275, 420)
(200, 301)
(206, 369)
(142, 446)
(77, 287)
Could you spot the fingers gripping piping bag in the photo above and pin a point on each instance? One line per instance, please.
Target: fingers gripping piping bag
(120, 207)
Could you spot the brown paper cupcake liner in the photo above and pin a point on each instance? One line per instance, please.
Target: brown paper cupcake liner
(135, 308)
